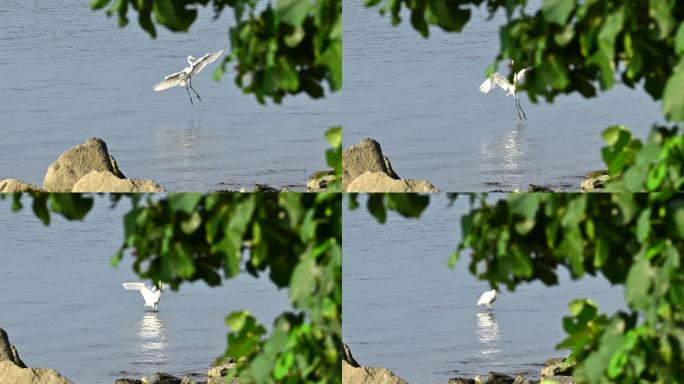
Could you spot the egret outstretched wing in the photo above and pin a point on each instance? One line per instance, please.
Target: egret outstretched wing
(205, 60)
(169, 81)
(134, 286)
(492, 81)
(520, 76)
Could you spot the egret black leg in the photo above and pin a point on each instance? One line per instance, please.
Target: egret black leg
(189, 95)
(193, 89)
(515, 98)
(521, 110)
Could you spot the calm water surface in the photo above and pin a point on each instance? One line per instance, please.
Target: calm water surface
(406, 311)
(419, 98)
(70, 74)
(63, 305)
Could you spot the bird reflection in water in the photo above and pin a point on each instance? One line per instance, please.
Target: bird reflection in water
(488, 334)
(504, 154)
(152, 336)
(180, 148)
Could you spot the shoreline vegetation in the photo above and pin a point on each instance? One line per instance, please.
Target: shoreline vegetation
(555, 371)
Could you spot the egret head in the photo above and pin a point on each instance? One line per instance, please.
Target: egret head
(190, 59)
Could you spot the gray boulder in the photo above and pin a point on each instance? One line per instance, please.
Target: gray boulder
(98, 181)
(216, 374)
(8, 352)
(499, 378)
(347, 356)
(14, 185)
(461, 380)
(381, 182)
(365, 156)
(320, 180)
(365, 375)
(595, 181)
(11, 373)
(78, 161)
(556, 367)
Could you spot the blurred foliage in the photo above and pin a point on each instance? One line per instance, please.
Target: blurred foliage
(295, 238)
(656, 165)
(634, 240)
(333, 157)
(281, 47)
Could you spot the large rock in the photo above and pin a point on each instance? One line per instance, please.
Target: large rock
(380, 182)
(499, 378)
(11, 373)
(97, 181)
(595, 181)
(78, 161)
(365, 375)
(8, 352)
(320, 180)
(556, 367)
(347, 356)
(14, 185)
(216, 374)
(361, 158)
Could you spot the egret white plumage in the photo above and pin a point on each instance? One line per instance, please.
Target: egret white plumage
(151, 295)
(184, 77)
(497, 79)
(487, 299)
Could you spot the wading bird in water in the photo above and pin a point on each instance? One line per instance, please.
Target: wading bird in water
(151, 295)
(487, 299)
(501, 81)
(184, 77)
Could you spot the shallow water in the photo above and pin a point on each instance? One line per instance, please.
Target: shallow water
(63, 306)
(406, 311)
(69, 74)
(419, 98)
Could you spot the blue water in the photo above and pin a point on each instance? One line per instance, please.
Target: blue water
(63, 305)
(69, 74)
(419, 98)
(405, 310)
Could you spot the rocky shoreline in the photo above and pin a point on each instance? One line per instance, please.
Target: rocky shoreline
(554, 371)
(366, 169)
(14, 370)
(87, 167)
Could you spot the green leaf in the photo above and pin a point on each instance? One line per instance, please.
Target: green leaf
(184, 202)
(524, 204)
(673, 96)
(679, 39)
(98, 4)
(643, 225)
(557, 11)
(638, 285)
(293, 12)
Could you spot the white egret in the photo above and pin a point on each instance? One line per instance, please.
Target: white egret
(184, 77)
(151, 295)
(487, 299)
(497, 79)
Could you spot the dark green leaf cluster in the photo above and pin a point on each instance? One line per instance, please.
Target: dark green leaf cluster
(290, 47)
(295, 238)
(633, 240)
(406, 204)
(657, 165)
